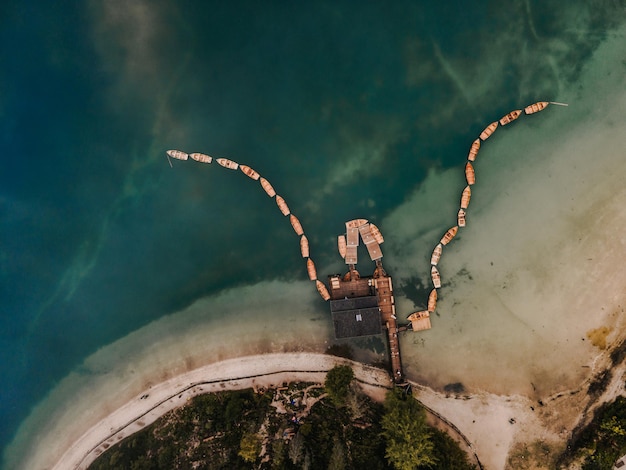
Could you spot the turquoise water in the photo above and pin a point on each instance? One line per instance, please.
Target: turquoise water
(343, 107)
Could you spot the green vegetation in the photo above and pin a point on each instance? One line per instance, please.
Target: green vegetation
(603, 441)
(409, 443)
(294, 427)
(337, 383)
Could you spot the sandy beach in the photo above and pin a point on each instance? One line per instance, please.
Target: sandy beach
(492, 428)
(269, 370)
(483, 418)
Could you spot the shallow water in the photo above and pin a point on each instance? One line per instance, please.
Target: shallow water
(107, 253)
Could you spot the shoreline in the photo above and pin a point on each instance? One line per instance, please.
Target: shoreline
(261, 370)
(481, 420)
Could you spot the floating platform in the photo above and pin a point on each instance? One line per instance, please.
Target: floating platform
(376, 233)
(373, 248)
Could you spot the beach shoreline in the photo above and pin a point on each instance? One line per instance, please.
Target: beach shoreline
(489, 426)
(262, 370)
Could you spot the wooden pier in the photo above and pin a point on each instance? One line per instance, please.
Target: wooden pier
(387, 306)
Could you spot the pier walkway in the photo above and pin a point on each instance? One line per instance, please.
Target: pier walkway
(386, 304)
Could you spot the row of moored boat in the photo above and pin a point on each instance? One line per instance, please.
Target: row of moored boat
(470, 177)
(280, 202)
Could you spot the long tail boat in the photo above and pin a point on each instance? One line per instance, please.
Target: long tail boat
(201, 157)
(512, 116)
(470, 174)
(297, 226)
(474, 150)
(267, 187)
(536, 107)
(436, 256)
(282, 205)
(465, 197)
(226, 163)
(178, 154)
(484, 135)
(249, 172)
(310, 267)
(304, 246)
(436, 277)
(449, 235)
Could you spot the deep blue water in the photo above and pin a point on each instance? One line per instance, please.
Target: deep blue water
(99, 236)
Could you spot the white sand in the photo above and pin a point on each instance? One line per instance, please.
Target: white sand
(270, 370)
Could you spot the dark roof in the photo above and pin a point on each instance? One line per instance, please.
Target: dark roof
(353, 303)
(357, 322)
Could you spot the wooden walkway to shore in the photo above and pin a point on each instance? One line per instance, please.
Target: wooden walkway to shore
(386, 304)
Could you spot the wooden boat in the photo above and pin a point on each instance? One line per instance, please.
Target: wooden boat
(474, 150)
(178, 154)
(470, 175)
(465, 197)
(449, 235)
(436, 256)
(267, 187)
(310, 267)
(512, 116)
(461, 218)
(376, 234)
(226, 163)
(356, 223)
(341, 245)
(484, 135)
(282, 205)
(536, 107)
(201, 157)
(295, 223)
(420, 321)
(432, 300)
(434, 274)
(304, 246)
(249, 172)
(321, 288)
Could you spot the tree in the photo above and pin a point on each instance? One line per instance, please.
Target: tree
(337, 383)
(409, 443)
(296, 449)
(249, 447)
(338, 460)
